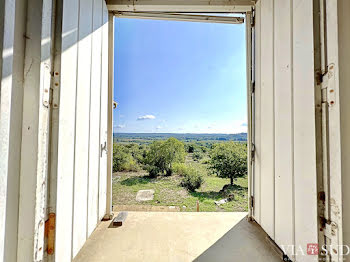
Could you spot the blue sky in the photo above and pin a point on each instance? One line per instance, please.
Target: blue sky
(179, 77)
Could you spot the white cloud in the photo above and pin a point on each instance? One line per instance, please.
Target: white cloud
(158, 127)
(146, 117)
(120, 126)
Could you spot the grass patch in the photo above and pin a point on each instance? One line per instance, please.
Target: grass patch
(168, 191)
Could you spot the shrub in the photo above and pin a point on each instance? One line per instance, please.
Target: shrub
(197, 155)
(192, 179)
(180, 169)
(191, 148)
(163, 154)
(123, 160)
(229, 159)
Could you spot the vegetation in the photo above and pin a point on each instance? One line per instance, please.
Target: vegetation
(198, 155)
(181, 173)
(170, 192)
(180, 168)
(205, 139)
(229, 160)
(162, 155)
(124, 159)
(192, 179)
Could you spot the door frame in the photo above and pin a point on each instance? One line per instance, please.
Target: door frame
(186, 11)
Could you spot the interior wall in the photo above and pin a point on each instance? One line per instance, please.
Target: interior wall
(83, 109)
(285, 182)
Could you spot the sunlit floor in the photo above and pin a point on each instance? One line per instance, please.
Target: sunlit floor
(179, 236)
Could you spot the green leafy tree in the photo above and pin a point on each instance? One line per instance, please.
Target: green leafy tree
(191, 148)
(123, 159)
(229, 160)
(198, 155)
(163, 154)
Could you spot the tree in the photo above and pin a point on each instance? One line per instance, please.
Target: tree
(229, 159)
(191, 148)
(123, 159)
(163, 154)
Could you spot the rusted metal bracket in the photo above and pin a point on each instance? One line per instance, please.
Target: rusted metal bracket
(55, 89)
(50, 230)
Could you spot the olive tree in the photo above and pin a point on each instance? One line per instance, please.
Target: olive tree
(229, 160)
(163, 154)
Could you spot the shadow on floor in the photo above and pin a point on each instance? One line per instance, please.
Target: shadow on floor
(179, 237)
(246, 241)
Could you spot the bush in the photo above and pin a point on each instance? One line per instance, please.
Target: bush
(123, 159)
(191, 148)
(162, 155)
(192, 179)
(197, 155)
(180, 169)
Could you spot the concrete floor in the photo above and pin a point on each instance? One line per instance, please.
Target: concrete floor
(179, 236)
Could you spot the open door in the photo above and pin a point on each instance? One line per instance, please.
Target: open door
(250, 107)
(331, 211)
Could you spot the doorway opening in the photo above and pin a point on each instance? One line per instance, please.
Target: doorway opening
(184, 236)
(180, 129)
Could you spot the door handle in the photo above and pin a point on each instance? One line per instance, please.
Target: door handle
(104, 148)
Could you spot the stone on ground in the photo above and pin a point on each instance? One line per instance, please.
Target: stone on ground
(145, 195)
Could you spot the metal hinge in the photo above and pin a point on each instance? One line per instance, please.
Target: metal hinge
(50, 230)
(252, 152)
(46, 84)
(331, 232)
(55, 89)
(252, 19)
(327, 83)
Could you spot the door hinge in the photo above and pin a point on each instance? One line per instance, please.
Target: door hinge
(252, 19)
(331, 233)
(327, 83)
(252, 152)
(46, 84)
(50, 230)
(253, 87)
(55, 86)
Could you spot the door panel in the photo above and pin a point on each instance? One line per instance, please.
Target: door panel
(104, 116)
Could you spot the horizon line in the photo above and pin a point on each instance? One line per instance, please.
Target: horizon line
(179, 133)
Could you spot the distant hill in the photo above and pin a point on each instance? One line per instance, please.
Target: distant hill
(183, 137)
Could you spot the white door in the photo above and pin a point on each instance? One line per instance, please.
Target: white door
(104, 118)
